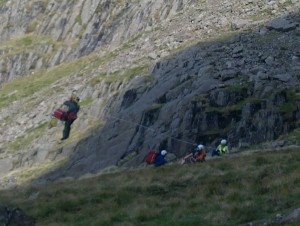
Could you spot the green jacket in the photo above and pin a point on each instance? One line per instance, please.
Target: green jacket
(222, 149)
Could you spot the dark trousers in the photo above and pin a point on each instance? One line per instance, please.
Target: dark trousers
(67, 129)
(214, 153)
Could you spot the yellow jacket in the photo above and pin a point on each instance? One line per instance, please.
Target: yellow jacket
(222, 149)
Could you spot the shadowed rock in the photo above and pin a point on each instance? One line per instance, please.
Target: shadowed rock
(14, 217)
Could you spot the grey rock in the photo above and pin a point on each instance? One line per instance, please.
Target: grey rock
(14, 216)
(152, 56)
(5, 165)
(237, 49)
(283, 77)
(281, 24)
(239, 23)
(229, 74)
(170, 157)
(263, 31)
(292, 217)
(296, 59)
(269, 60)
(279, 217)
(34, 195)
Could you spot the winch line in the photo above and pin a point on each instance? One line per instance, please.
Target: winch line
(146, 127)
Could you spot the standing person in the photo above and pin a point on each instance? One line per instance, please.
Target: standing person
(160, 158)
(72, 108)
(221, 149)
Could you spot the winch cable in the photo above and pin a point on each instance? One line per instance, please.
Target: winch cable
(148, 128)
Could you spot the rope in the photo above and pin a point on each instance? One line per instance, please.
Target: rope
(147, 127)
(143, 126)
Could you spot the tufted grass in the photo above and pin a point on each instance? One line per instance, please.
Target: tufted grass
(3, 1)
(87, 101)
(26, 43)
(21, 88)
(141, 70)
(28, 85)
(232, 190)
(293, 137)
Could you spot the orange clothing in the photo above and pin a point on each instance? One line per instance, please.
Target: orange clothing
(201, 156)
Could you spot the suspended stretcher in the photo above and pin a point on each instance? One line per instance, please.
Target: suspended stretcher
(59, 114)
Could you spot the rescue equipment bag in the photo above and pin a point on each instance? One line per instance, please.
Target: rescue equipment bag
(150, 157)
(72, 116)
(59, 114)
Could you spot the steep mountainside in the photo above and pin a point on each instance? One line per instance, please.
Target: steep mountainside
(150, 74)
(51, 32)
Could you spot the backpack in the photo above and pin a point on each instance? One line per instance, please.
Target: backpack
(150, 157)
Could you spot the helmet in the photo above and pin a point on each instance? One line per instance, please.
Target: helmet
(163, 152)
(200, 147)
(75, 99)
(223, 142)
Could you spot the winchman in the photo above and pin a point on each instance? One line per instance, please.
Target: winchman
(71, 108)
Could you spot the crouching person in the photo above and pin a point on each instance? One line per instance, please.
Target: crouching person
(221, 149)
(160, 158)
(198, 155)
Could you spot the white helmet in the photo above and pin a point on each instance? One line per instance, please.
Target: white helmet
(163, 152)
(223, 141)
(200, 147)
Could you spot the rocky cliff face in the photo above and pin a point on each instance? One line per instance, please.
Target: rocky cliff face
(240, 89)
(59, 31)
(163, 74)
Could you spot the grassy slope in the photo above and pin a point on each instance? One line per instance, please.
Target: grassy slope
(228, 191)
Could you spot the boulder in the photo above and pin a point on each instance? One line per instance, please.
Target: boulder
(291, 217)
(281, 24)
(14, 217)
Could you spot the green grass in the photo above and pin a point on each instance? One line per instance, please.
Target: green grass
(239, 88)
(226, 110)
(28, 85)
(141, 70)
(126, 74)
(294, 136)
(3, 1)
(85, 102)
(262, 14)
(290, 106)
(229, 191)
(26, 42)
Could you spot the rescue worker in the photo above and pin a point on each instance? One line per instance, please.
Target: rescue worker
(221, 149)
(72, 107)
(198, 155)
(160, 158)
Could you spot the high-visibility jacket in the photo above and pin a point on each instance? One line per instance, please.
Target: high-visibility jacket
(222, 149)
